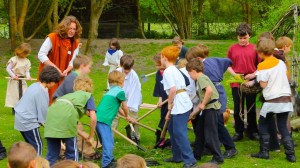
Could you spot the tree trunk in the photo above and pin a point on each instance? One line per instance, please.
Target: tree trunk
(13, 27)
(55, 14)
(141, 27)
(201, 21)
(97, 7)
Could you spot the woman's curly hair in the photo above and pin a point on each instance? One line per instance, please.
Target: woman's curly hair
(63, 27)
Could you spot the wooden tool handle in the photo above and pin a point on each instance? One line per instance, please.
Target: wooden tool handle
(21, 78)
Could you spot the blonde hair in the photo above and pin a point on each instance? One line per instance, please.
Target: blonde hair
(20, 155)
(68, 164)
(23, 50)
(182, 63)
(171, 53)
(63, 27)
(209, 165)
(116, 78)
(265, 46)
(283, 41)
(41, 162)
(81, 60)
(90, 165)
(83, 83)
(195, 52)
(131, 161)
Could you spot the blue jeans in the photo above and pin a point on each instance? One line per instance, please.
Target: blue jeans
(33, 137)
(54, 145)
(181, 148)
(107, 140)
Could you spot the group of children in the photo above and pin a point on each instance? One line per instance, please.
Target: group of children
(192, 93)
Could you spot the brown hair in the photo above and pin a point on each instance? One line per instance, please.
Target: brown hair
(116, 78)
(204, 48)
(23, 50)
(171, 53)
(63, 27)
(243, 29)
(195, 64)
(195, 52)
(157, 58)
(20, 155)
(41, 162)
(68, 164)
(265, 46)
(127, 62)
(283, 41)
(114, 42)
(182, 63)
(177, 40)
(90, 165)
(81, 60)
(131, 161)
(209, 165)
(266, 35)
(83, 83)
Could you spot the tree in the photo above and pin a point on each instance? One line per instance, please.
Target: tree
(141, 27)
(97, 7)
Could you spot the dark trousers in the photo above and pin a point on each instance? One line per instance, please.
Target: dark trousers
(224, 135)
(181, 148)
(239, 99)
(274, 144)
(54, 145)
(163, 113)
(207, 134)
(33, 137)
(2, 148)
(264, 124)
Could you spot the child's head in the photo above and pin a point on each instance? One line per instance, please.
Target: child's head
(68, 164)
(169, 54)
(90, 165)
(23, 50)
(41, 162)
(157, 61)
(116, 78)
(177, 41)
(21, 155)
(194, 67)
(284, 43)
(114, 44)
(50, 76)
(82, 64)
(266, 35)
(182, 63)
(126, 62)
(244, 33)
(209, 165)
(265, 47)
(83, 83)
(131, 161)
(196, 52)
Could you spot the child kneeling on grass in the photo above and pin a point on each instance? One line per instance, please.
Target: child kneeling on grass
(63, 116)
(113, 101)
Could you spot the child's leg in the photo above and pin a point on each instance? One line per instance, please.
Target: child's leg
(175, 148)
(251, 116)
(223, 133)
(238, 122)
(211, 133)
(181, 137)
(199, 139)
(33, 137)
(71, 148)
(136, 127)
(53, 149)
(105, 134)
(115, 122)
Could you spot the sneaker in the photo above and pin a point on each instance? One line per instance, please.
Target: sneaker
(191, 165)
(3, 155)
(230, 153)
(237, 137)
(171, 160)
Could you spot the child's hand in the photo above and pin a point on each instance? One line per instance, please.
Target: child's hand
(29, 78)
(131, 120)
(168, 116)
(16, 77)
(90, 140)
(249, 83)
(192, 116)
(250, 76)
(65, 73)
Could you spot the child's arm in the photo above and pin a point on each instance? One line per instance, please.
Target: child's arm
(171, 97)
(202, 104)
(263, 84)
(159, 102)
(93, 120)
(124, 111)
(9, 70)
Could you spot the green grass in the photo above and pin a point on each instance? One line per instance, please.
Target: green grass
(143, 51)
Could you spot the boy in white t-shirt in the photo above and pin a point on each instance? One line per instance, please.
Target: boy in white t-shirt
(179, 108)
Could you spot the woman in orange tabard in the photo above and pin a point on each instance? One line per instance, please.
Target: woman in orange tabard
(60, 48)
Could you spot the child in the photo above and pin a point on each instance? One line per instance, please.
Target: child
(63, 116)
(177, 41)
(244, 61)
(32, 109)
(207, 128)
(68, 164)
(41, 163)
(112, 102)
(214, 69)
(160, 93)
(82, 66)
(131, 161)
(21, 155)
(179, 107)
(113, 56)
(17, 67)
(272, 78)
(132, 88)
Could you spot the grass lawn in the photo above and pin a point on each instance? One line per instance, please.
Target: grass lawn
(143, 51)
